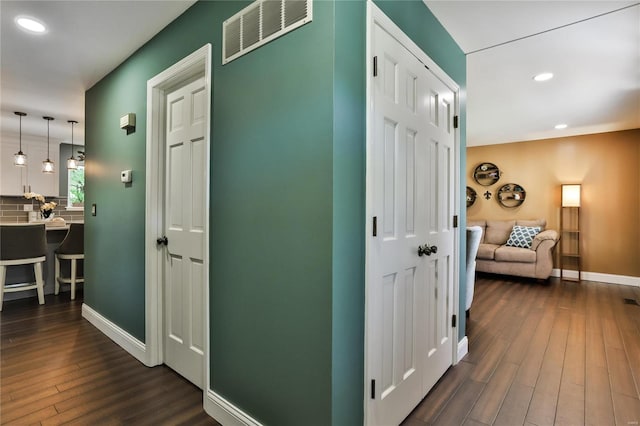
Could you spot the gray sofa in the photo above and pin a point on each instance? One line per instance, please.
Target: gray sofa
(495, 256)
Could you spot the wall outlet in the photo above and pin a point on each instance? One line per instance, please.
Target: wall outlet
(27, 207)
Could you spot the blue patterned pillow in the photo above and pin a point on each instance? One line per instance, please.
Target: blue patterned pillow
(522, 236)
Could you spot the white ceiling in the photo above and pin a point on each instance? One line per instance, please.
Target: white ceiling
(592, 47)
(596, 62)
(48, 74)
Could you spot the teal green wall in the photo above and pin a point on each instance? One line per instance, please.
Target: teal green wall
(423, 28)
(287, 205)
(271, 209)
(114, 243)
(115, 237)
(349, 213)
(272, 155)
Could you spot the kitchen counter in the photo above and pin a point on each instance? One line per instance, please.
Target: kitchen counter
(49, 225)
(24, 273)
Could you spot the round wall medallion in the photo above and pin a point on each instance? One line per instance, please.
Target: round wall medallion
(511, 195)
(471, 196)
(486, 174)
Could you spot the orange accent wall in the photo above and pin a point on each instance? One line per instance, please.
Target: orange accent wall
(606, 164)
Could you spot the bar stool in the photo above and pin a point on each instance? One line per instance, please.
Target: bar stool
(71, 248)
(22, 245)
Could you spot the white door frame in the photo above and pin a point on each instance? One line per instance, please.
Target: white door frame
(196, 64)
(376, 16)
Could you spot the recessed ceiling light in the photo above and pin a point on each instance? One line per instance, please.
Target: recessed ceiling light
(30, 24)
(561, 126)
(543, 76)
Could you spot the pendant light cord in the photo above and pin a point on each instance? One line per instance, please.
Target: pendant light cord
(48, 124)
(20, 114)
(71, 162)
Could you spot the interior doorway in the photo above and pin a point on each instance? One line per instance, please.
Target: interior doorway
(178, 171)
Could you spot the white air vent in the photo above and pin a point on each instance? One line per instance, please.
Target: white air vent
(261, 22)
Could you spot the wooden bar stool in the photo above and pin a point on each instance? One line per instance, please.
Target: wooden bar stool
(71, 248)
(22, 245)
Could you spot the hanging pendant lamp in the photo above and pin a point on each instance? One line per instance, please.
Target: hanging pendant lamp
(72, 163)
(47, 165)
(20, 159)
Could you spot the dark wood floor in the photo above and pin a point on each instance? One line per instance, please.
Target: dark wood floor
(57, 368)
(562, 353)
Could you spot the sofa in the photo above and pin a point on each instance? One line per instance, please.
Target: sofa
(522, 248)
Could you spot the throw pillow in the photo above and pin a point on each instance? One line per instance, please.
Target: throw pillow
(522, 236)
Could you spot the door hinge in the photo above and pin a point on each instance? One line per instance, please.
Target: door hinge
(455, 121)
(375, 226)
(455, 221)
(373, 389)
(454, 320)
(375, 66)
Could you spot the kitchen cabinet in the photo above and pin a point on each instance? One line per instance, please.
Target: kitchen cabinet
(15, 181)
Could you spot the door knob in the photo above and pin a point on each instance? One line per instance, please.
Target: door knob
(162, 240)
(426, 250)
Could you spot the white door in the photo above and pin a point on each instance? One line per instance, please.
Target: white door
(410, 259)
(184, 278)
(440, 180)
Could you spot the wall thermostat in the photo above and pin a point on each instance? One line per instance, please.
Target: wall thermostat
(125, 176)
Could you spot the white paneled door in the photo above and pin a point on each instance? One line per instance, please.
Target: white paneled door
(184, 278)
(411, 244)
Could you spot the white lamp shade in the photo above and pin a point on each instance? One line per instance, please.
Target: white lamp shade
(20, 159)
(47, 166)
(570, 195)
(72, 163)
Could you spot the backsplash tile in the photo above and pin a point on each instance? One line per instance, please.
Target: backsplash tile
(12, 210)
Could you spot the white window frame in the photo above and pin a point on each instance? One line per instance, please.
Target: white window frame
(70, 206)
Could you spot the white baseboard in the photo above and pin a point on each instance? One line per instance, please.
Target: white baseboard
(126, 341)
(599, 277)
(463, 349)
(225, 412)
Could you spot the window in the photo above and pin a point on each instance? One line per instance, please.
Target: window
(75, 192)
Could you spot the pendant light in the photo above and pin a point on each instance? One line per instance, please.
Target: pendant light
(47, 165)
(20, 159)
(72, 163)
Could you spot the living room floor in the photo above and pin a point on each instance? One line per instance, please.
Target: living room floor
(543, 353)
(561, 353)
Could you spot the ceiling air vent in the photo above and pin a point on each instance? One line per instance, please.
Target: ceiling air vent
(261, 22)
